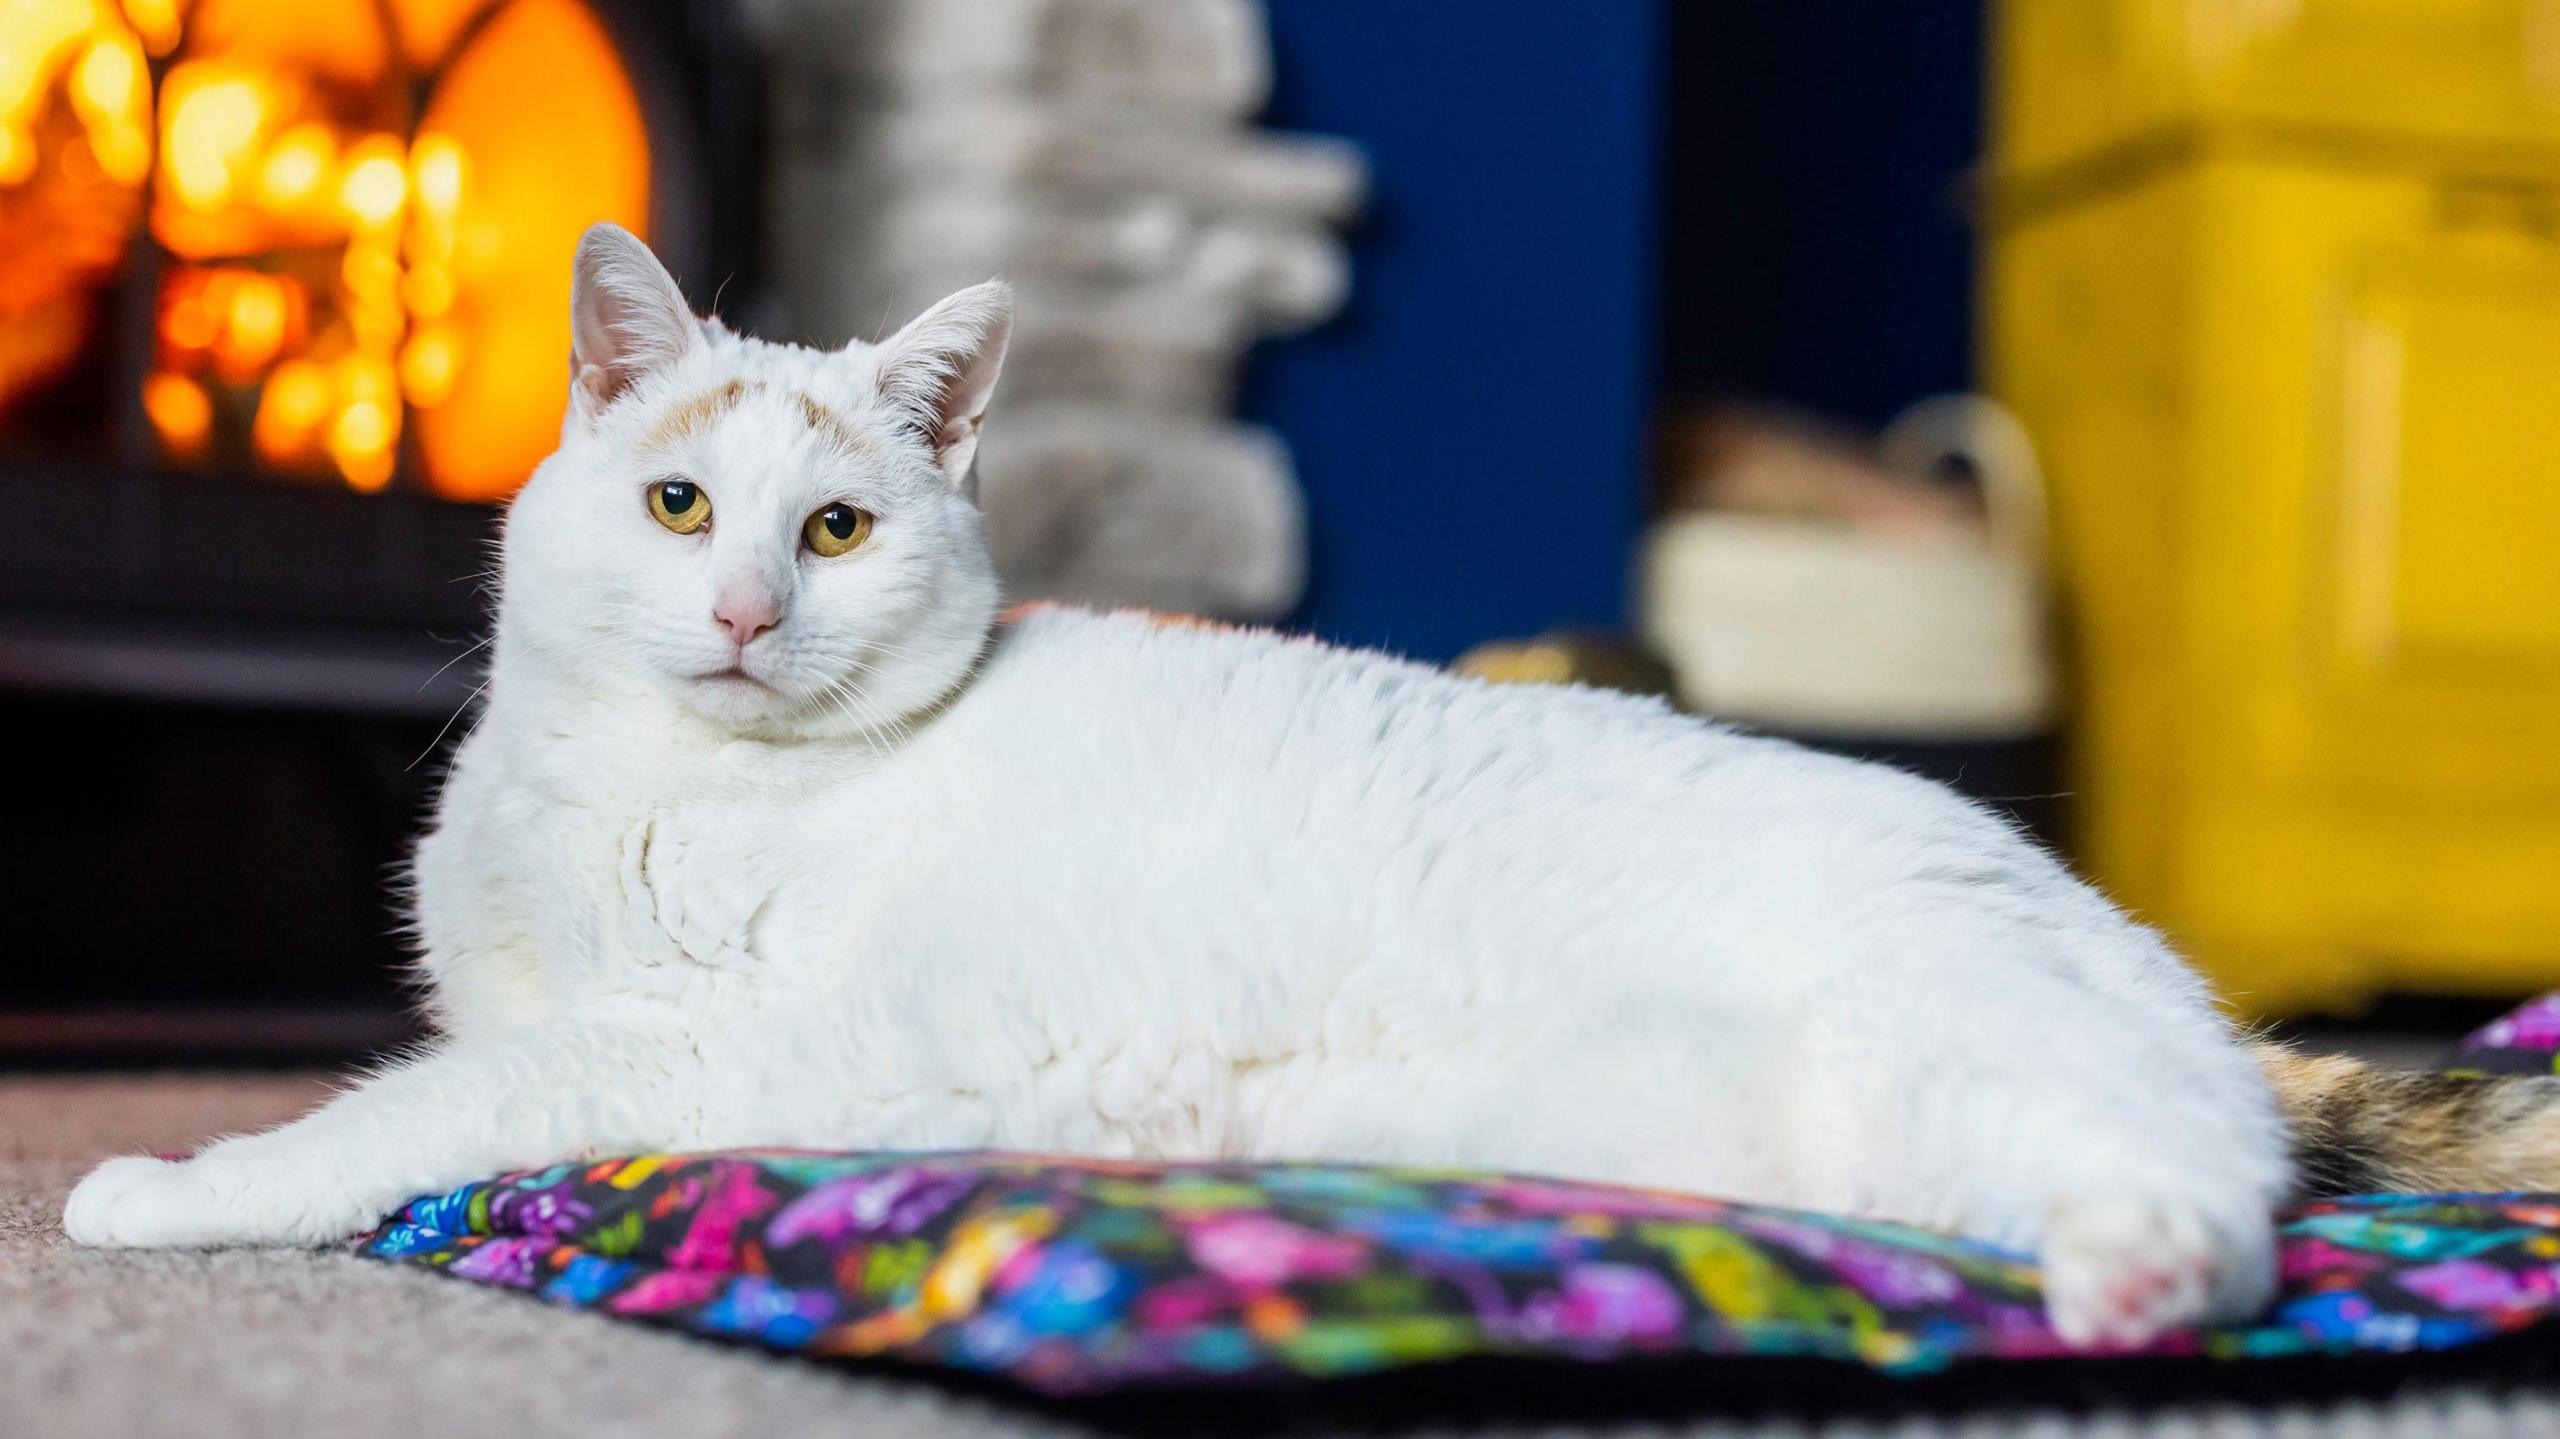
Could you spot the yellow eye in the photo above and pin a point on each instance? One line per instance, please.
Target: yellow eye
(836, 530)
(680, 505)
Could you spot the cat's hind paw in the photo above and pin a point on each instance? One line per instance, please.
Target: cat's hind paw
(2120, 1272)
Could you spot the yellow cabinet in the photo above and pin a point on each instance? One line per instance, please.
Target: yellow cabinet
(2080, 78)
(2300, 404)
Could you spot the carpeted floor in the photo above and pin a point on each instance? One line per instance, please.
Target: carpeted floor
(269, 1344)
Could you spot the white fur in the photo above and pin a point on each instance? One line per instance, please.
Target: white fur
(1102, 885)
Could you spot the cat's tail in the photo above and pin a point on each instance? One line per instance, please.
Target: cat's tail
(2360, 1128)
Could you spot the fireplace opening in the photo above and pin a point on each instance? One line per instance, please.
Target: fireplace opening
(310, 242)
(283, 295)
(283, 316)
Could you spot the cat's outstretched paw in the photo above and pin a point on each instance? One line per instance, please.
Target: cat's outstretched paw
(2122, 1271)
(138, 1202)
(142, 1203)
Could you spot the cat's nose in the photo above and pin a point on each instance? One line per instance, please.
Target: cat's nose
(746, 616)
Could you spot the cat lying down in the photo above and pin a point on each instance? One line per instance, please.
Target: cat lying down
(763, 789)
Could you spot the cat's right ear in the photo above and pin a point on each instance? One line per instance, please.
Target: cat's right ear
(626, 317)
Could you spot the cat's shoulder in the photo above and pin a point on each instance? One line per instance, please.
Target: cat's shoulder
(1053, 642)
(1127, 662)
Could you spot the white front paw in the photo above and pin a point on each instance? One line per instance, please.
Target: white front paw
(138, 1202)
(143, 1203)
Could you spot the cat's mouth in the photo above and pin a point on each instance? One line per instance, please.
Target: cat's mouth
(735, 674)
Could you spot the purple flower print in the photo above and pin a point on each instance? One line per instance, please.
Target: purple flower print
(1256, 1251)
(1893, 1278)
(890, 1204)
(1888, 1275)
(1608, 1304)
(2466, 1284)
(552, 1210)
(2535, 1026)
(512, 1262)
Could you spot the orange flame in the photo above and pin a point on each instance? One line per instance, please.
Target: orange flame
(349, 264)
(179, 410)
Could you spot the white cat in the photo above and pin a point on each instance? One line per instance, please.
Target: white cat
(770, 833)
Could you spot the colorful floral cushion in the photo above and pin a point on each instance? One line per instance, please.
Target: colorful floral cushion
(2525, 1040)
(1073, 1276)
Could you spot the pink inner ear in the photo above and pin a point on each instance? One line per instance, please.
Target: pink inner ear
(953, 431)
(626, 316)
(941, 366)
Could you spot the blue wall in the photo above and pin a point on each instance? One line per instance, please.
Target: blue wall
(1470, 432)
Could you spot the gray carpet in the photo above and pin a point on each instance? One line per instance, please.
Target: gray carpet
(271, 1344)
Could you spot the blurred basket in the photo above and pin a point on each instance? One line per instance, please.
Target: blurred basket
(1819, 628)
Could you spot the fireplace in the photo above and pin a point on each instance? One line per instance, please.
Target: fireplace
(283, 306)
(283, 314)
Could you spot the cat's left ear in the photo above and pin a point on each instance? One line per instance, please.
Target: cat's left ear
(942, 367)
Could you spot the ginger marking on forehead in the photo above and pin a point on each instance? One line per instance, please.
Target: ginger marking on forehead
(826, 423)
(702, 410)
(699, 411)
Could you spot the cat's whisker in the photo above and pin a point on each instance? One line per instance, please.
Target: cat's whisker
(484, 643)
(441, 730)
(900, 730)
(847, 701)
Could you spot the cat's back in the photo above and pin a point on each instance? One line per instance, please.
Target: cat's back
(1205, 710)
(1238, 762)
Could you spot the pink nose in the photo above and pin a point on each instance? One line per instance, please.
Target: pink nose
(746, 618)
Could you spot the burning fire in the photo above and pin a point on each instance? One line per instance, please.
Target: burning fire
(340, 260)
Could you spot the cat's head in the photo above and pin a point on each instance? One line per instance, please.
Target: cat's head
(782, 540)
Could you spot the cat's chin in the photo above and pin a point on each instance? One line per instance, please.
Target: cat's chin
(737, 700)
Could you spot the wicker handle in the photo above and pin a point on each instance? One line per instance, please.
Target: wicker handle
(1981, 432)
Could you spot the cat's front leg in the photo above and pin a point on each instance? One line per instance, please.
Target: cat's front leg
(693, 885)
(533, 1097)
